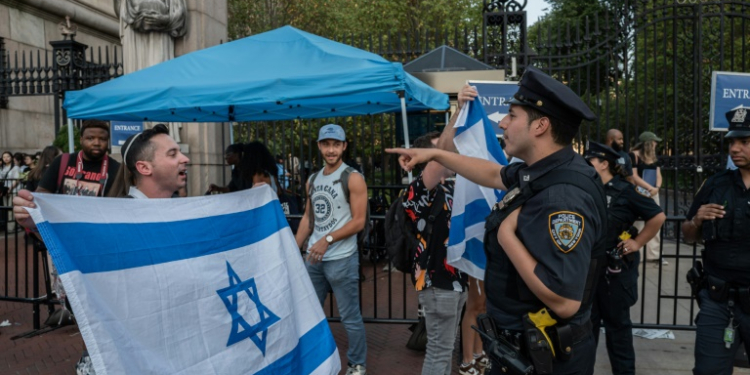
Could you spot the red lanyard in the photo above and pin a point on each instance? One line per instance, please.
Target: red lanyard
(103, 174)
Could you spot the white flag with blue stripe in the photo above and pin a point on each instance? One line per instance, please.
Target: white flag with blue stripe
(471, 202)
(204, 285)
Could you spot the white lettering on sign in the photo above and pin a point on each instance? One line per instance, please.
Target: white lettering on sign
(126, 128)
(492, 100)
(736, 94)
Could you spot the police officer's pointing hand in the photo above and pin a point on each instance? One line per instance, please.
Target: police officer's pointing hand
(411, 157)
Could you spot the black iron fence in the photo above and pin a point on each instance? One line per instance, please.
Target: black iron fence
(65, 67)
(640, 65)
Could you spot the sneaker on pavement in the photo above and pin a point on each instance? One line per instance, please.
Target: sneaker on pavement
(483, 363)
(356, 370)
(469, 369)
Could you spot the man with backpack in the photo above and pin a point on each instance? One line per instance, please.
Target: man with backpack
(442, 289)
(336, 211)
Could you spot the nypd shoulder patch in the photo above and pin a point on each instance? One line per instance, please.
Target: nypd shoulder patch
(566, 229)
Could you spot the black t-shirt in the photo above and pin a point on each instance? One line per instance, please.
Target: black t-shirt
(89, 183)
(625, 162)
(625, 205)
(727, 254)
(290, 204)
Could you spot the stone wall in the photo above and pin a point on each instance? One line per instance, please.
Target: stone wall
(29, 25)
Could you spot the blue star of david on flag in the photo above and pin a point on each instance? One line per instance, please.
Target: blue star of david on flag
(255, 332)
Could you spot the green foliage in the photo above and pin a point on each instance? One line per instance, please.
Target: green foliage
(61, 140)
(351, 17)
(646, 67)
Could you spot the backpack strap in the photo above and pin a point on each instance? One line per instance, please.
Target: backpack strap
(434, 212)
(64, 158)
(311, 215)
(345, 181)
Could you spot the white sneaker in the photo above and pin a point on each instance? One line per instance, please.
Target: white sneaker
(469, 369)
(356, 370)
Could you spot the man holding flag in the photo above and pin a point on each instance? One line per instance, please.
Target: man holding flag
(203, 285)
(544, 249)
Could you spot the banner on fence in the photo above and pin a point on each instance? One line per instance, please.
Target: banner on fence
(728, 90)
(202, 285)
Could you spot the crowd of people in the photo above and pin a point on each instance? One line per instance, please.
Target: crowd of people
(563, 245)
(21, 171)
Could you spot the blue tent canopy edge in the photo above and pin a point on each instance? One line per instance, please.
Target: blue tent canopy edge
(281, 74)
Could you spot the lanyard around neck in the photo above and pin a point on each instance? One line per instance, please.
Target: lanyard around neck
(103, 173)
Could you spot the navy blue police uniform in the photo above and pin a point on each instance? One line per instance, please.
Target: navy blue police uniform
(560, 223)
(617, 289)
(723, 322)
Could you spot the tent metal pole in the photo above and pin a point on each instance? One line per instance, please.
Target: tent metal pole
(71, 143)
(405, 125)
(231, 132)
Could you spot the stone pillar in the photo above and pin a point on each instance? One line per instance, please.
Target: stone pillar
(202, 142)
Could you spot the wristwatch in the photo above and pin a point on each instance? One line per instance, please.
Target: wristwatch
(329, 239)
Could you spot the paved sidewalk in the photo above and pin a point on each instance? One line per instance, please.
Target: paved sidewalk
(57, 352)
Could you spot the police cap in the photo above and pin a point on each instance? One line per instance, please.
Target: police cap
(739, 122)
(598, 150)
(551, 97)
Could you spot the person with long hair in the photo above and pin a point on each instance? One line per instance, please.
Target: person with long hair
(647, 177)
(45, 159)
(258, 166)
(617, 288)
(6, 164)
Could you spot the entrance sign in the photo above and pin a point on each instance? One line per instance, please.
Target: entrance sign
(121, 130)
(494, 96)
(728, 90)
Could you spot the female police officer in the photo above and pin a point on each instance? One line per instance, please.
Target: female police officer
(617, 289)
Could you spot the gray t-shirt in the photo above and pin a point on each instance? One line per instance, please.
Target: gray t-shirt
(332, 212)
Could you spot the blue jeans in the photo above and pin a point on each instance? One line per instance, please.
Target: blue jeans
(342, 277)
(711, 355)
(442, 313)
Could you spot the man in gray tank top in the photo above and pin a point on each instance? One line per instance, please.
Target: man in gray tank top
(332, 258)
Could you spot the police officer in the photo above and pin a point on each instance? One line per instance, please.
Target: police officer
(540, 255)
(617, 289)
(720, 215)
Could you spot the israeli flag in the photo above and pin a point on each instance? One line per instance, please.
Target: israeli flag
(471, 202)
(204, 285)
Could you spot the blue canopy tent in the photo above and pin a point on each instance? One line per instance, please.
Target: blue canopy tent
(277, 75)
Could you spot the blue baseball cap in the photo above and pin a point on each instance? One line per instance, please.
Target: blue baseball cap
(332, 131)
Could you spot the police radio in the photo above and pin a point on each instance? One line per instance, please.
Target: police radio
(614, 256)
